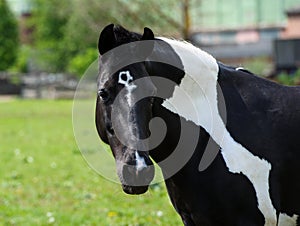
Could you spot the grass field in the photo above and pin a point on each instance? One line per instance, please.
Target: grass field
(45, 180)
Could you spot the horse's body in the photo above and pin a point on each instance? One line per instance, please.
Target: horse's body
(254, 178)
(256, 111)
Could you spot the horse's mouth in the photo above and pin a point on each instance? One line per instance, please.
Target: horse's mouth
(134, 190)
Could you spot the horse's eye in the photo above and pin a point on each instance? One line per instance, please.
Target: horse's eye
(103, 95)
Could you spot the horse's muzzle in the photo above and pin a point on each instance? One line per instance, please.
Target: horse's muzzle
(134, 190)
(135, 180)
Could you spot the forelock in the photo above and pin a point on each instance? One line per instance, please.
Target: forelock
(124, 36)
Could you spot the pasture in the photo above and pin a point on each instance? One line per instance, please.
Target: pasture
(45, 180)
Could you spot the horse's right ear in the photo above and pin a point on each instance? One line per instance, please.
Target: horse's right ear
(148, 34)
(147, 48)
(107, 39)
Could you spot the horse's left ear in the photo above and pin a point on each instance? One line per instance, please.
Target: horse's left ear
(148, 34)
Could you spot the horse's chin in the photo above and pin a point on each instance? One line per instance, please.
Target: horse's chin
(134, 190)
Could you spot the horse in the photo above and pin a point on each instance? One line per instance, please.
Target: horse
(228, 143)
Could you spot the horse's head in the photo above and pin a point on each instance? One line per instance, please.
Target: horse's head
(123, 111)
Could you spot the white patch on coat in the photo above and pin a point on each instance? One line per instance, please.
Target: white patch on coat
(239, 68)
(285, 220)
(140, 162)
(128, 78)
(200, 84)
(128, 85)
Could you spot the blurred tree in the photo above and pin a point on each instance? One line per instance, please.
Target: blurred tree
(84, 23)
(87, 20)
(80, 63)
(159, 15)
(9, 38)
(49, 19)
(65, 29)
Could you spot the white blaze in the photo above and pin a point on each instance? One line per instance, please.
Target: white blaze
(128, 84)
(140, 162)
(128, 77)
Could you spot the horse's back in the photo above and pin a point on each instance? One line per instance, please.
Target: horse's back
(265, 118)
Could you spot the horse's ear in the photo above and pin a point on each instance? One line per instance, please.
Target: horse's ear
(107, 39)
(148, 34)
(147, 47)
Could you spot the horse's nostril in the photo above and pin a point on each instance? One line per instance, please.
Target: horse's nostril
(129, 175)
(134, 177)
(148, 174)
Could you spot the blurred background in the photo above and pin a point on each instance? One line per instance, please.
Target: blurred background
(45, 48)
(60, 37)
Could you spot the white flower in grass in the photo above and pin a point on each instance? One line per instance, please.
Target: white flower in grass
(159, 213)
(30, 159)
(51, 218)
(53, 165)
(17, 151)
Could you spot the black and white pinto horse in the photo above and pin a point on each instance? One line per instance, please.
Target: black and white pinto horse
(254, 178)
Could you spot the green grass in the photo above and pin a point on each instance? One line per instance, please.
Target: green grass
(289, 79)
(45, 180)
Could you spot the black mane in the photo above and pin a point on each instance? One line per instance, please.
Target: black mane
(124, 36)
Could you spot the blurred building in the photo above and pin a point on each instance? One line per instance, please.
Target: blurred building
(292, 29)
(236, 14)
(22, 9)
(287, 46)
(234, 29)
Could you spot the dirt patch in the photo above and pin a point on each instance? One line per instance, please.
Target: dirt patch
(7, 98)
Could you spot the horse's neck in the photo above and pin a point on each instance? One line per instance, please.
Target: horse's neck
(195, 98)
(197, 87)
